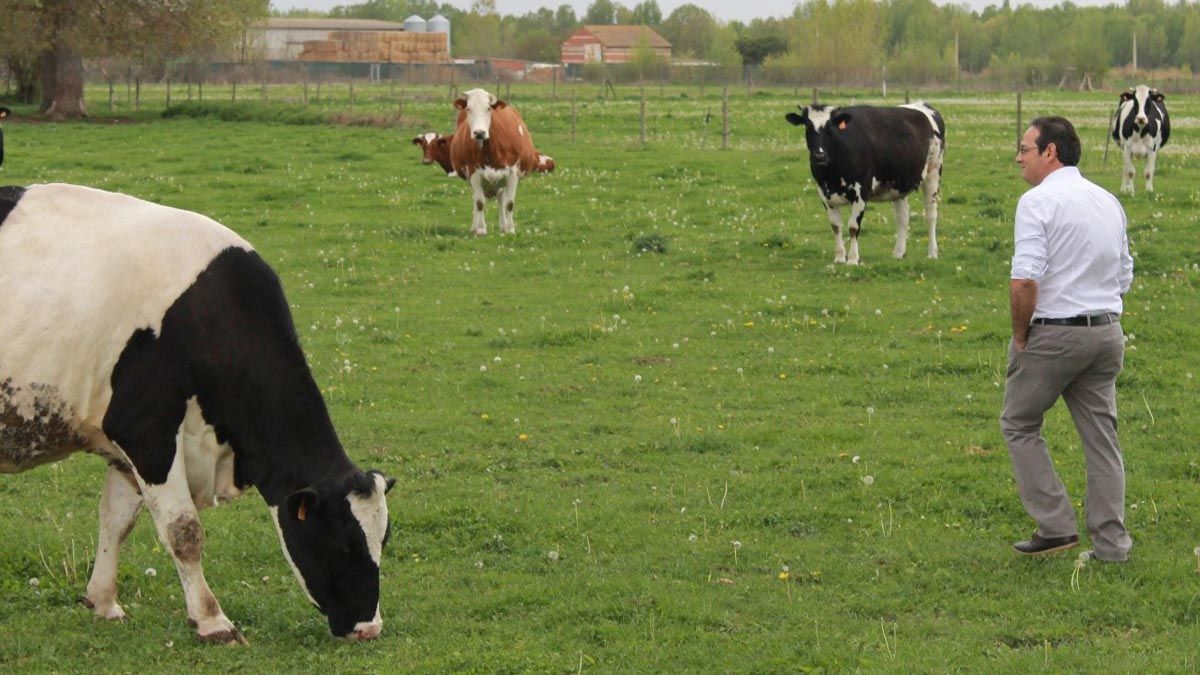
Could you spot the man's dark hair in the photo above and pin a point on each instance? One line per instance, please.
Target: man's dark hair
(1060, 132)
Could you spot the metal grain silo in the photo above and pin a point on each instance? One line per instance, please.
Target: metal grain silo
(415, 24)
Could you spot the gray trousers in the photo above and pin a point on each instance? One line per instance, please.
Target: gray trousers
(1080, 364)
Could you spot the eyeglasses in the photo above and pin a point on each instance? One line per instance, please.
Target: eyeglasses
(1023, 149)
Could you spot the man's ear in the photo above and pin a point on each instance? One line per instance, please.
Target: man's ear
(302, 502)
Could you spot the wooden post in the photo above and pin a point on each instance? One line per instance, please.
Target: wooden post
(318, 89)
(306, 89)
(816, 96)
(1020, 131)
(200, 87)
(264, 90)
(129, 85)
(643, 116)
(572, 114)
(400, 106)
(351, 95)
(189, 81)
(725, 117)
(111, 103)
(906, 100)
(233, 96)
(554, 85)
(137, 96)
(168, 92)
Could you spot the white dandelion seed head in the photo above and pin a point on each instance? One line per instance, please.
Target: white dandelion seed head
(1196, 550)
(870, 410)
(736, 544)
(674, 421)
(34, 582)
(693, 537)
(855, 459)
(770, 350)
(483, 368)
(151, 572)
(478, 564)
(868, 480)
(552, 555)
(637, 378)
(496, 360)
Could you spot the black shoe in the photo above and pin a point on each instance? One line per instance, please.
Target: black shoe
(1040, 545)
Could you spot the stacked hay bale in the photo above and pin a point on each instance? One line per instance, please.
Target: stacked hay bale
(364, 46)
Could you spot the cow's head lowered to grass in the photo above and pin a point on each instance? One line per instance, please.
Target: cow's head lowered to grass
(479, 104)
(333, 535)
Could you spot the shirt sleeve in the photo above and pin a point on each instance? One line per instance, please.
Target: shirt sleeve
(1029, 236)
(1126, 278)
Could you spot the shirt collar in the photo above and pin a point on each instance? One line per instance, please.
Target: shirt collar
(1061, 173)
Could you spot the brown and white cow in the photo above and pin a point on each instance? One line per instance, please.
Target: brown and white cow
(435, 148)
(492, 148)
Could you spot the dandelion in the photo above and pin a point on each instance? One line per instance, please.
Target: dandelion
(485, 417)
(770, 350)
(151, 572)
(478, 564)
(483, 368)
(868, 480)
(522, 437)
(497, 359)
(552, 556)
(855, 459)
(737, 546)
(637, 379)
(1197, 552)
(34, 582)
(675, 424)
(692, 537)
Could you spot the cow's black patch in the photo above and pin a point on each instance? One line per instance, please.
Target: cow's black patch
(9, 196)
(229, 341)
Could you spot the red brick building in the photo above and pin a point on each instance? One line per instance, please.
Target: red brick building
(612, 44)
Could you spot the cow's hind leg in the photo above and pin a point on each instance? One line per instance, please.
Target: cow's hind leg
(178, 526)
(900, 207)
(1151, 159)
(119, 507)
(835, 222)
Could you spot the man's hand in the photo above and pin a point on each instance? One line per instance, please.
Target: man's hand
(1022, 297)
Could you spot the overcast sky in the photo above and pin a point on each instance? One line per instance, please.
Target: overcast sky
(724, 10)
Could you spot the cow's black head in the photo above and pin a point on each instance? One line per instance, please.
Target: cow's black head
(821, 124)
(1144, 109)
(333, 535)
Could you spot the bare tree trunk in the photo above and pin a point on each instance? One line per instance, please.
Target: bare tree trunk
(62, 83)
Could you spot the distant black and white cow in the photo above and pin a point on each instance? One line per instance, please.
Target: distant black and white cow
(1142, 127)
(160, 340)
(861, 154)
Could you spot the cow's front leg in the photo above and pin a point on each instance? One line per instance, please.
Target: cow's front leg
(508, 201)
(479, 201)
(858, 209)
(835, 222)
(1130, 170)
(119, 507)
(900, 208)
(178, 526)
(1151, 158)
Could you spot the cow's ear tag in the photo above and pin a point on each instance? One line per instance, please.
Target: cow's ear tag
(842, 125)
(302, 512)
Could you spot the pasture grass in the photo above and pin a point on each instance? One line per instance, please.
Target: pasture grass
(656, 430)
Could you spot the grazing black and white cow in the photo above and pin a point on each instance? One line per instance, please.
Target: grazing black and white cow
(861, 154)
(159, 340)
(1142, 127)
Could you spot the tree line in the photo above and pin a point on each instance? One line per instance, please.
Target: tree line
(913, 40)
(43, 43)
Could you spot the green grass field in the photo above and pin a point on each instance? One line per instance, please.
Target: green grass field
(727, 455)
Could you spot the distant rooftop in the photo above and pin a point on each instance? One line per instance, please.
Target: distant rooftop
(627, 36)
(332, 24)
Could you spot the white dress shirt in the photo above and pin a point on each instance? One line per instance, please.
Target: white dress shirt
(1070, 238)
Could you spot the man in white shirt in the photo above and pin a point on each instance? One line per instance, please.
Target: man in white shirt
(1070, 271)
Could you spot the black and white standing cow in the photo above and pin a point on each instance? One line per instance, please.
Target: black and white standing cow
(159, 340)
(861, 154)
(1142, 127)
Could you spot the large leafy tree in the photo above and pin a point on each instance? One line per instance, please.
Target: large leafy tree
(690, 30)
(600, 12)
(64, 32)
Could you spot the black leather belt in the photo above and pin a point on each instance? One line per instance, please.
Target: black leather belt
(1084, 320)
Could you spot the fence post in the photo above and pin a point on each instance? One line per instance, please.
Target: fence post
(111, 105)
(189, 81)
(554, 85)
(400, 106)
(318, 89)
(351, 95)
(572, 114)
(643, 116)
(264, 90)
(137, 97)
(725, 117)
(816, 96)
(168, 92)
(906, 100)
(1019, 130)
(233, 96)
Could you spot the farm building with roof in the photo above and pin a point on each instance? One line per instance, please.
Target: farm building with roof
(612, 44)
(348, 41)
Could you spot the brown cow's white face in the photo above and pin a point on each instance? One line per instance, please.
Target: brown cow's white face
(479, 104)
